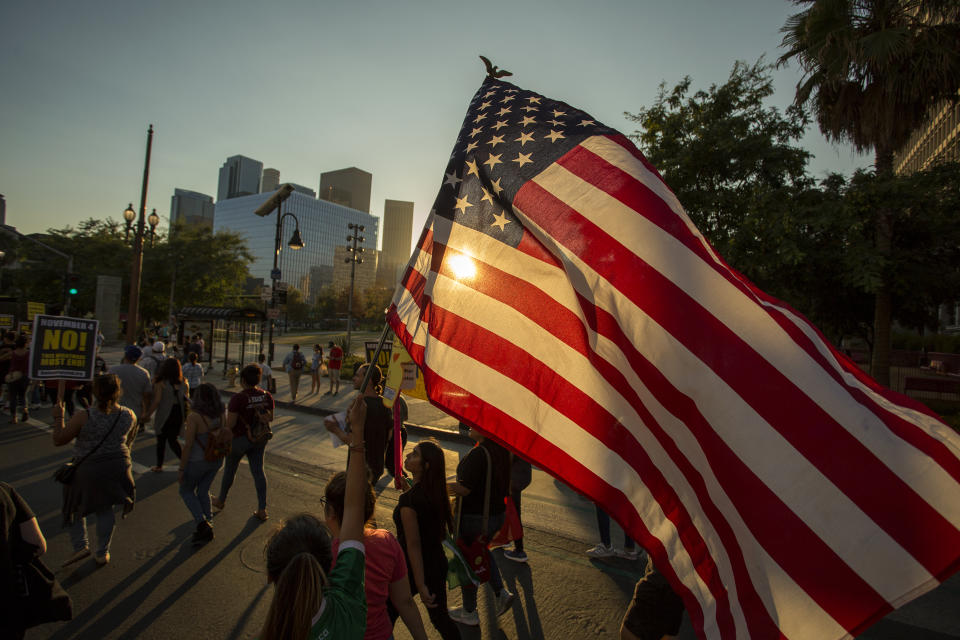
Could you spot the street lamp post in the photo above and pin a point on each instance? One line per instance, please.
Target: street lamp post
(354, 259)
(133, 313)
(276, 202)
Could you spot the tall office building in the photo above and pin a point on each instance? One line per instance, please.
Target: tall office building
(395, 249)
(299, 188)
(348, 187)
(239, 176)
(938, 140)
(271, 181)
(3, 210)
(190, 207)
(323, 227)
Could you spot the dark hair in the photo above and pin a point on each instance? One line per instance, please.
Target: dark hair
(376, 377)
(193, 357)
(317, 347)
(336, 491)
(21, 342)
(9, 335)
(330, 344)
(206, 401)
(261, 358)
(296, 347)
(251, 374)
(107, 390)
(169, 371)
(298, 559)
(433, 479)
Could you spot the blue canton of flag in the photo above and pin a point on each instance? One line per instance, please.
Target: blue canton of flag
(508, 136)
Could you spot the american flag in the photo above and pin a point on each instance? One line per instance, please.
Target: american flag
(561, 300)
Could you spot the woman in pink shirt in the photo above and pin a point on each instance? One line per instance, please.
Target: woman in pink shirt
(386, 569)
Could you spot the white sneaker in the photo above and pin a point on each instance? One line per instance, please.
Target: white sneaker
(469, 618)
(600, 551)
(504, 602)
(628, 554)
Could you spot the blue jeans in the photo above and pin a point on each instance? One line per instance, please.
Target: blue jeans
(195, 488)
(471, 525)
(242, 447)
(105, 523)
(603, 523)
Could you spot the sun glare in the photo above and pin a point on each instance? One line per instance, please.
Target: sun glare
(462, 267)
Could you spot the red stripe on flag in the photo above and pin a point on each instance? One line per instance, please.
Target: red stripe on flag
(596, 171)
(781, 404)
(550, 457)
(791, 412)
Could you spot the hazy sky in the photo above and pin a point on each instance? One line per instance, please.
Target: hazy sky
(311, 86)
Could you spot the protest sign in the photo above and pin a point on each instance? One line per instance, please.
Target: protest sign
(34, 308)
(403, 376)
(63, 348)
(7, 322)
(384, 360)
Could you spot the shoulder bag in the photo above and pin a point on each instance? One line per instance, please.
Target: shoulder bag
(470, 561)
(65, 474)
(38, 596)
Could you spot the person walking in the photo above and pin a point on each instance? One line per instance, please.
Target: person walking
(521, 474)
(168, 409)
(151, 361)
(103, 480)
(6, 349)
(197, 471)
(251, 405)
(315, 368)
(379, 420)
(294, 364)
(334, 362)
(267, 381)
(193, 372)
(385, 581)
(135, 383)
(422, 518)
(311, 601)
(17, 380)
(605, 548)
(19, 533)
(486, 459)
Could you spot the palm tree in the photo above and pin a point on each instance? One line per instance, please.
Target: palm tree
(871, 69)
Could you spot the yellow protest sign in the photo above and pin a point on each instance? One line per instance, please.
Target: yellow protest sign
(404, 376)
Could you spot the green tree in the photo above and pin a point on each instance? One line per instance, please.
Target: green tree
(209, 269)
(297, 309)
(732, 161)
(872, 69)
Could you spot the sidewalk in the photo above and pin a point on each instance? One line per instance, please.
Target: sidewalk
(422, 416)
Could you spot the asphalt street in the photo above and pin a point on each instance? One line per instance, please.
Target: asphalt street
(158, 586)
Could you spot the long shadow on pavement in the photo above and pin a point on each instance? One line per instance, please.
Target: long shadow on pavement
(132, 604)
(238, 628)
(519, 578)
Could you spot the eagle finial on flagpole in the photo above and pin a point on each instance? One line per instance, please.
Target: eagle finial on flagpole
(493, 71)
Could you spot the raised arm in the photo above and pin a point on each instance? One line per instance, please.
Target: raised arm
(351, 528)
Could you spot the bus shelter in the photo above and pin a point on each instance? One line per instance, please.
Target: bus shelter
(232, 337)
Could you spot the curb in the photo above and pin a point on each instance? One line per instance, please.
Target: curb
(422, 430)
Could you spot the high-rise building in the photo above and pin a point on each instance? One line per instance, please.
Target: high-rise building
(366, 271)
(349, 187)
(323, 226)
(271, 181)
(299, 188)
(190, 207)
(239, 176)
(3, 210)
(395, 247)
(938, 140)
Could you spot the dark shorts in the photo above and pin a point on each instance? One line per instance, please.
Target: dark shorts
(655, 611)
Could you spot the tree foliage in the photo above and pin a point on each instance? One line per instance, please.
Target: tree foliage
(206, 268)
(730, 159)
(733, 163)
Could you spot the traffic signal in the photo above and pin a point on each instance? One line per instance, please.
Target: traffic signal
(72, 281)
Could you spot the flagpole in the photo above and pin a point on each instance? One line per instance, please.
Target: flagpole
(376, 356)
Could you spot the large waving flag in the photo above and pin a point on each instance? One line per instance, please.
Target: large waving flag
(561, 300)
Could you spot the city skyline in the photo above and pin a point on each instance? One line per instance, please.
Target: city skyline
(382, 87)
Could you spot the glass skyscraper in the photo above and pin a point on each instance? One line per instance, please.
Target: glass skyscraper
(239, 176)
(323, 226)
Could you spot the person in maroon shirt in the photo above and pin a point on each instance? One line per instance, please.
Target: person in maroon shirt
(241, 412)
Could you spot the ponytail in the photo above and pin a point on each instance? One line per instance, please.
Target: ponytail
(296, 600)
